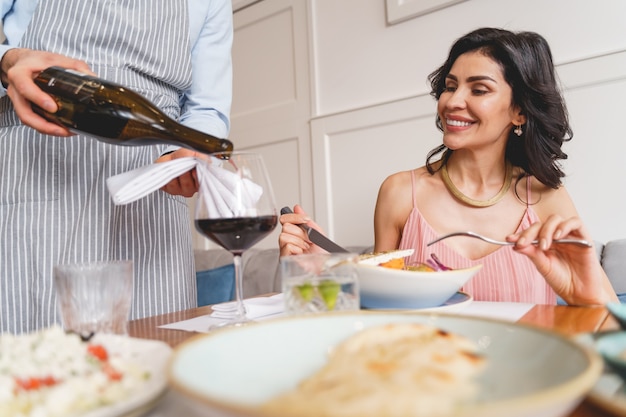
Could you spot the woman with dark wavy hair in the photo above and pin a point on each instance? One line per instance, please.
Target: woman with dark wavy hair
(503, 121)
(534, 89)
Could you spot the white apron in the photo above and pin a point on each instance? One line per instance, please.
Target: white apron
(54, 206)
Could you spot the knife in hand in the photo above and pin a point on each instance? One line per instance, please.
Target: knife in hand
(316, 237)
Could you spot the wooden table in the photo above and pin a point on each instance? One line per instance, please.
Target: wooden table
(564, 319)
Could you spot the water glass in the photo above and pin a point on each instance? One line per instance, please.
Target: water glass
(315, 283)
(94, 297)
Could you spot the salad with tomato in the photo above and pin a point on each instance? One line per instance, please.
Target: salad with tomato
(50, 373)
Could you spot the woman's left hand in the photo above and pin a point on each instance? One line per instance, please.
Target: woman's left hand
(574, 272)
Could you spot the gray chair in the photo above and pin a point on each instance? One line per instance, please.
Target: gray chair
(613, 260)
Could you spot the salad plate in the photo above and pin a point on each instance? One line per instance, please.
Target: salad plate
(149, 355)
(53, 373)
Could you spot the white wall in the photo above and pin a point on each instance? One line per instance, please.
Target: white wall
(336, 99)
(372, 116)
(361, 61)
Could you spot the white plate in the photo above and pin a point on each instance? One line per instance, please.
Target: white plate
(457, 302)
(530, 371)
(609, 392)
(149, 355)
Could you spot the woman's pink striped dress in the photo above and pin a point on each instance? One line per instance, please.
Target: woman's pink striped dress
(505, 275)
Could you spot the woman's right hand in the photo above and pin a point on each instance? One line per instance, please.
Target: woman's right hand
(19, 67)
(574, 272)
(292, 239)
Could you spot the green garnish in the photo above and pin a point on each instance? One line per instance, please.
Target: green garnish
(306, 291)
(329, 290)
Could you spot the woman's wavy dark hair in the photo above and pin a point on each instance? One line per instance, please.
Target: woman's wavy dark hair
(527, 65)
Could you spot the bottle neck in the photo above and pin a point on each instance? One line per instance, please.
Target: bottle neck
(197, 139)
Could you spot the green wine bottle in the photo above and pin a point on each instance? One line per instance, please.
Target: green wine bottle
(114, 114)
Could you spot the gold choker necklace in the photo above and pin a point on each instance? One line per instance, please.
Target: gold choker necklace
(508, 176)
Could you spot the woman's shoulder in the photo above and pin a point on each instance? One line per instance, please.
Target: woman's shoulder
(398, 185)
(406, 177)
(546, 200)
(411, 182)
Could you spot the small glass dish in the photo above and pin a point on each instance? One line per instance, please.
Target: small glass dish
(612, 347)
(618, 311)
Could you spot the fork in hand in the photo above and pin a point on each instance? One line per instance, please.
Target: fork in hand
(578, 242)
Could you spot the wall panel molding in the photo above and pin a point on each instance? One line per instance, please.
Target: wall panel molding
(341, 145)
(242, 4)
(271, 98)
(591, 70)
(397, 135)
(401, 10)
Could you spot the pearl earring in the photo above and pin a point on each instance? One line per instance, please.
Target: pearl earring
(518, 130)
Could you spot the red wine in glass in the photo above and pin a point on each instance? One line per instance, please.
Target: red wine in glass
(235, 209)
(239, 233)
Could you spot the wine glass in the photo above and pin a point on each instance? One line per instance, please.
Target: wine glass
(235, 208)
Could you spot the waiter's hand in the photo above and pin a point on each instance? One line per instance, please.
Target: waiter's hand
(18, 68)
(187, 184)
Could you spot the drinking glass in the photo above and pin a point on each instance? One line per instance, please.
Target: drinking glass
(320, 282)
(235, 209)
(94, 297)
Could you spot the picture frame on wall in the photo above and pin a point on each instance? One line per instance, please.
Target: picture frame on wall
(401, 10)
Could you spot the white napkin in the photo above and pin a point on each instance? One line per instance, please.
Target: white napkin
(258, 309)
(255, 307)
(227, 193)
(133, 185)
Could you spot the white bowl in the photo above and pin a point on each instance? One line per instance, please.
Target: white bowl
(529, 372)
(388, 288)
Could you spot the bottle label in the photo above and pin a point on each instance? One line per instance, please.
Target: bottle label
(70, 84)
(71, 71)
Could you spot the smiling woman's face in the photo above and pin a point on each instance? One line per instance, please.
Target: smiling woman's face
(475, 107)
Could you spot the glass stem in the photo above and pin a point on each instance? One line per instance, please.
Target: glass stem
(241, 308)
